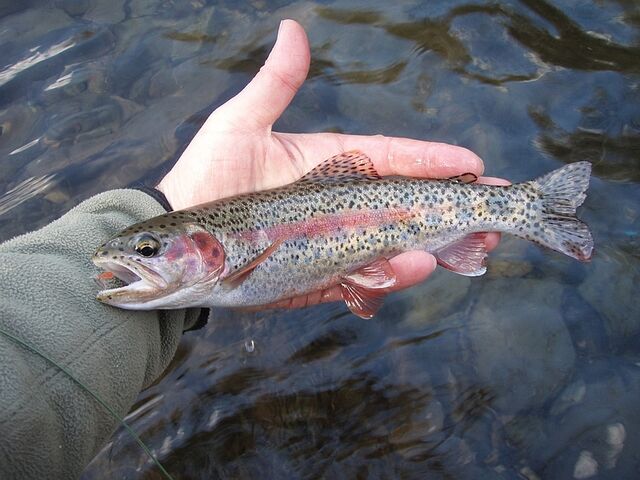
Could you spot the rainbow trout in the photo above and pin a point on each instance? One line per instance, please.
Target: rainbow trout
(337, 225)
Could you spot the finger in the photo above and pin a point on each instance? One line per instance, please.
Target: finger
(412, 268)
(415, 158)
(492, 240)
(264, 99)
(390, 155)
(501, 182)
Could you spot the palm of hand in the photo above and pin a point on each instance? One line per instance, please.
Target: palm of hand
(241, 161)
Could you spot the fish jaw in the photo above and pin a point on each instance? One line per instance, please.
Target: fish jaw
(143, 284)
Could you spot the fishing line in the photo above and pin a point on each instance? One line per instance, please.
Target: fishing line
(95, 396)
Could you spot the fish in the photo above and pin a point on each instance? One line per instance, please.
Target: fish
(338, 225)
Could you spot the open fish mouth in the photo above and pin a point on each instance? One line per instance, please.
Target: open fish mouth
(130, 281)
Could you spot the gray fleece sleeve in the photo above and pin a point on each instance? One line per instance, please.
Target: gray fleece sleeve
(49, 427)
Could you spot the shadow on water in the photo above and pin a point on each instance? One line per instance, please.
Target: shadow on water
(614, 156)
(528, 372)
(274, 420)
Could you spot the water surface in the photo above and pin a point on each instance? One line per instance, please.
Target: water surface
(532, 371)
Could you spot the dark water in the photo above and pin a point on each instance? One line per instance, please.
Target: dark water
(532, 371)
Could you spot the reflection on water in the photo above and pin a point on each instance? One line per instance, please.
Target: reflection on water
(529, 372)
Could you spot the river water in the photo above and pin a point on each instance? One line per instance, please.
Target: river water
(532, 371)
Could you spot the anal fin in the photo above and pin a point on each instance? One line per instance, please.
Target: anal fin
(465, 256)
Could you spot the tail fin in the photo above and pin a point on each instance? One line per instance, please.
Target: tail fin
(563, 191)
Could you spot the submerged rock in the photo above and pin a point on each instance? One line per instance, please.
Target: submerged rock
(585, 325)
(586, 466)
(442, 294)
(588, 431)
(616, 435)
(523, 351)
(612, 288)
(570, 396)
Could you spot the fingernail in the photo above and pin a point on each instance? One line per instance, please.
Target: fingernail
(282, 22)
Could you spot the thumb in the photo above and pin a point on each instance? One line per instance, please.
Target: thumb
(264, 99)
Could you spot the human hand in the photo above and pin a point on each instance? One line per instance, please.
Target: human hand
(236, 152)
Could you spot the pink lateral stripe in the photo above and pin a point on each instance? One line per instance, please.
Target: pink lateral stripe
(326, 224)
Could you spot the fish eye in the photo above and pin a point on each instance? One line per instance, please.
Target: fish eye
(147, 246)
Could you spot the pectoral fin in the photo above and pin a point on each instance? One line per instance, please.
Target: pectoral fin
(363, 289)
(240, 275)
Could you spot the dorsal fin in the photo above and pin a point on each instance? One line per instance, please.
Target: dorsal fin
(352, 165)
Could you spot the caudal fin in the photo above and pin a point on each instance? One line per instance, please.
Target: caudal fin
(563, 191)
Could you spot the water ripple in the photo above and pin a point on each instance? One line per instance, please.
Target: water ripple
(25, 190)
(35, 58)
